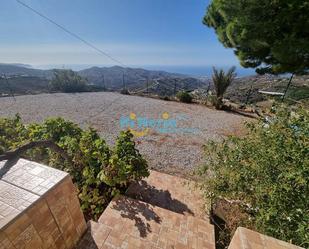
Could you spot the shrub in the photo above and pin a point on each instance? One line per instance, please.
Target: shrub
(68, 81)
(268, 169)
(98, 171)
(165, 98)
(125, 92)
(184, 97)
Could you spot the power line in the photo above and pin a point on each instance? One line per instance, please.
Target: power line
(85, 42)
(77, 36)
(71, 33)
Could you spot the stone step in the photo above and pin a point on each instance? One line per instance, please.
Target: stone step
(170, 192)
(245, 238)
(130, 223)
(95, 236)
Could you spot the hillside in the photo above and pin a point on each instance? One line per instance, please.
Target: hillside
(22, 85)
(246, 88)
(23, 79)
(24, 70)
(110, 78)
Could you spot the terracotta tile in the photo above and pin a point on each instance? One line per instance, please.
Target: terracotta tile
(245, 238)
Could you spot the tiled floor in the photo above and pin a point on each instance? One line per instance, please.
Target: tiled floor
(169, 218)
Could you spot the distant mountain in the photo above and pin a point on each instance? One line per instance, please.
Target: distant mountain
(23, 79)
(111, 78)
(25, 70)
(114, 77)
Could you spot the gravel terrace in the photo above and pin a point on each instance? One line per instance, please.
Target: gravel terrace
(177, 151)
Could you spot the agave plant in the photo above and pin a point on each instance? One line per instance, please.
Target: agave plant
(222, 80)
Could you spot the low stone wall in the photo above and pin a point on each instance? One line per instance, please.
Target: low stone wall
(248, 239)
(39, 208)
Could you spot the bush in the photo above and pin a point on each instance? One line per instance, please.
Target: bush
(98, 171)
(68, 81)
(165, 98)
(268, 171)
(184, 97)
(125, 92)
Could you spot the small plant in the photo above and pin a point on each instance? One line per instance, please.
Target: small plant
(126, 163)
(184, 97)
(165, 98)
(125, 92)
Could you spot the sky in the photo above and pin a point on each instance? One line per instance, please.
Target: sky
(144, 33)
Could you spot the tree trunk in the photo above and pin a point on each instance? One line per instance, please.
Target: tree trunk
(219, 102)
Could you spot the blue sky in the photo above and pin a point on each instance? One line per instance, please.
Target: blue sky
(136, 32)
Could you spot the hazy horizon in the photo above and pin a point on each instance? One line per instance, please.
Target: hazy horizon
(157, 35)
(196, 71)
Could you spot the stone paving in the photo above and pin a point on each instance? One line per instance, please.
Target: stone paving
(164, 212)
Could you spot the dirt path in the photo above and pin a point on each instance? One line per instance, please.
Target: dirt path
(177, 147)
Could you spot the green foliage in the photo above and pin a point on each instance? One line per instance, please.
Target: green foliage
(12, 133)
(221, 82)
(184, 97)
(269, 170)
(67, 81)
(298, 92)
(98, 171)
(126, 164)
(270, 35)
(165, 98)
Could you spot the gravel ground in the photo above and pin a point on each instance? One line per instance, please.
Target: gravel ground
(176, 152)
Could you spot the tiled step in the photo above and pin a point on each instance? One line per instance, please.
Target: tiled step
(245, 238)
(95, 236)
(129, 223)
(137, 224)
(170, 192)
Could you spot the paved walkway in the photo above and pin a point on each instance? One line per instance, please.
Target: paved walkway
(160, 212)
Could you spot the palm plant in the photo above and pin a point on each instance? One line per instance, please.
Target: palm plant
(222, 80)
